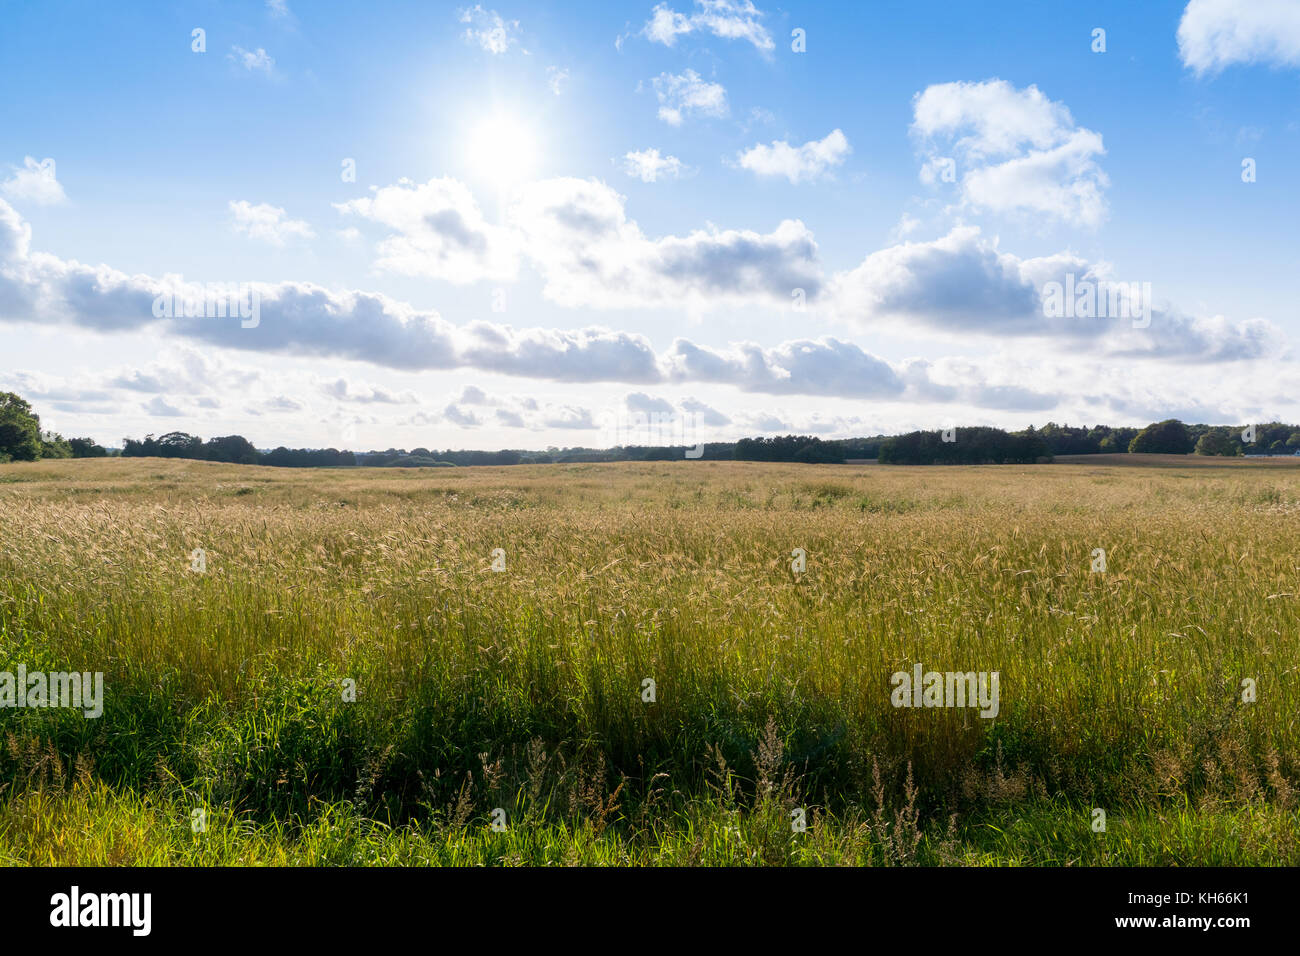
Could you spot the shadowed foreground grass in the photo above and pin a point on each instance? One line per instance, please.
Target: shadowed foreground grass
(230, 691)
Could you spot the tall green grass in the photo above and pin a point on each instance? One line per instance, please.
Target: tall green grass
(522, 690)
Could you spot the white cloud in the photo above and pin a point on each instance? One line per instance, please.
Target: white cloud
(278, 9)
(457, 416)
(706, 415)
(267, 223)
(489, 30)
(1015, 150)
(646, 404)
(254, 61)
(282, 403)
(345, 391)
(578, 235)
(962, 284)
(728, 19)
(687, 94)
(648, 166)
(797, 163)
(34, 182)
(161, 407)
(826, 366)
(572, 417)
(1214, 34)
(959, 286)
(556, 78)
(438, 231)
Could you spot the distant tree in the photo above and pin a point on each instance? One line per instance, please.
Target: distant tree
(20, 429)
(235, 449)
(973, 446)
(1064, 440)
(1219, 441)
(1169, 437)
(180, 445)
(54, 445)
(86, 448)
(802, 448)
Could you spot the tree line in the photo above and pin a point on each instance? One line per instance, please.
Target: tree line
(23, 439)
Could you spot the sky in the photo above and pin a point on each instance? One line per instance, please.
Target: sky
(587, 223)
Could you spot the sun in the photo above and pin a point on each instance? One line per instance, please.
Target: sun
(502, 149)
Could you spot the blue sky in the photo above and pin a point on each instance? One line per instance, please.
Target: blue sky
(566, 216)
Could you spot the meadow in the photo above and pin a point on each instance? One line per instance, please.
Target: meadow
(348, 681)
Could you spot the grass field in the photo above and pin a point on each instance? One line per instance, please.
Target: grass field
(229, 736)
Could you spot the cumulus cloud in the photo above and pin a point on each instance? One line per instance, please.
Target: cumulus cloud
(282, 403)
(648, 166)
(569, 416)
(645, 404)
(267, 223)
(965, 382)
(578, 235)
(687, 94)
(585, 355)
(458, 416)
(963, 284)
(959, 285)
(826, 366)
(34, 182)
(182, 370)
(728, 19)
(344, 391)
(438, 230)
(798, 164)
(161, 407)
(706, 415)
(1214, 34)
(254, 61)
(489, 30)
(1014, 150)
(39, 386)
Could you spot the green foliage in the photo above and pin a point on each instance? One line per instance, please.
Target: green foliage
(971, 446)
(1221, 440)
(54, 445)
(86, 448)
(801, 448)
(20, 430)
(235, 449)
(1169, 437)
